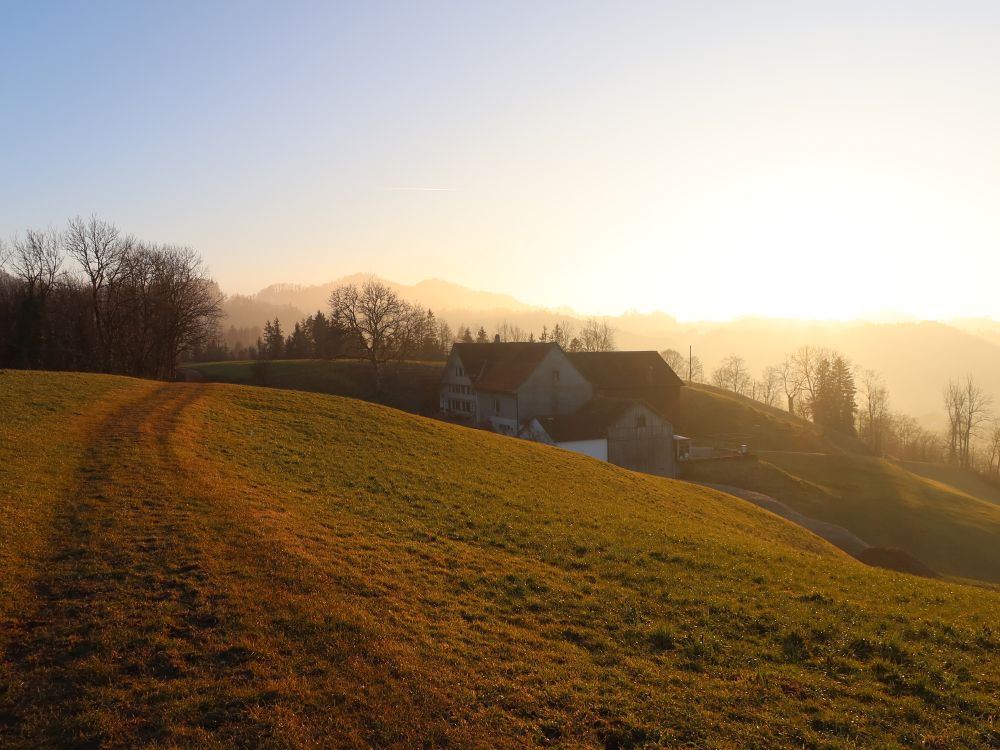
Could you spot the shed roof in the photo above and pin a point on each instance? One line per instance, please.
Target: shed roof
(621, 370)
(644, 376)
(590, 422)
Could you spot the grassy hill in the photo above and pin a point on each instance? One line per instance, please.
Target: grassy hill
(944, 516)
(410, 386)
(201, 565)
(953, 532)
(713, 416)
(956, 479)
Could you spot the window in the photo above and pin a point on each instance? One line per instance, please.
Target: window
(496, 405)
(459, 371)
(641, 421)
(460, 405)
(555, 377)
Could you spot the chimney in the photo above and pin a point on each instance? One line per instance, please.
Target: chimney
(496, 339)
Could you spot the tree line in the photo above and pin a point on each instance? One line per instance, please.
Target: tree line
(595, 335)
(91, 298)
(355, 321)
(371, 321)
(822, 385)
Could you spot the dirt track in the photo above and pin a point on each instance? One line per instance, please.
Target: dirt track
(129, 613)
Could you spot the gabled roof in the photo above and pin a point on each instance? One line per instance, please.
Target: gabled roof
(591, 422)
(624, 370)
(501, 367)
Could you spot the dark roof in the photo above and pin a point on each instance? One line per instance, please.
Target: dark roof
(643, 376)
(624, 370)
(501, 367)
(590, 422)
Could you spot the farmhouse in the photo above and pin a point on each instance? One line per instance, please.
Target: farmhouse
(614, 406)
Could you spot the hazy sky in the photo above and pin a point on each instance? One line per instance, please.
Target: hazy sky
(710, 159)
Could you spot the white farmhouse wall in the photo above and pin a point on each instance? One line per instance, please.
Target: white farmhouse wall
(555, 387)
(498, 412)
(455, 393)
(597, 448)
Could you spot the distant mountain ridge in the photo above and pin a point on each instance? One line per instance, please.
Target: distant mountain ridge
(436, 294)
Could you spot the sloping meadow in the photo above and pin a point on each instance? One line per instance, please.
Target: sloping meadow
(267, 568)
(544, 595)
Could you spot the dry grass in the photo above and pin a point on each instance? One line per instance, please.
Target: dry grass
(218, 566)
(410, 386)
(881, 501)
(946, 517)
(720, 418)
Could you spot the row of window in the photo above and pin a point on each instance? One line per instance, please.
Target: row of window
(460, 405)
(456, 388)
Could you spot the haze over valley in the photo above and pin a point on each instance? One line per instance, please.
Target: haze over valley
(916, 357)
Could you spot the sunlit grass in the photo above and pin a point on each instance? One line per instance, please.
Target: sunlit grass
(259, 567)
(946, 517)
(721, 418)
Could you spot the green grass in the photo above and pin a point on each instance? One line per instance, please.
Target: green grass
(953, 532)
(887, 505)
(221, 566)
(411, 386)
(44, 424)
(956, 479)
(720, 418)
(946, 517)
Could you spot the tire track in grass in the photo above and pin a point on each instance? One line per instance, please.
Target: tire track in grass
(169, 613)
(128, 640)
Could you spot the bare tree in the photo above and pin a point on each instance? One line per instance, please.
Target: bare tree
(134, 308)
(385, 326)
(510, 333)
(677, 361)
(188, 305)
(37, 261)
(687, 367)
(954, 404)
(873, 417)
(562, 334)
(446, 337)
(806, 362)
(791, 382)
(977, 411)
(768, 388)
(696, 371)
(100, 250)
(993, 449)
(733, 375)
(597, 336)
(968, 407)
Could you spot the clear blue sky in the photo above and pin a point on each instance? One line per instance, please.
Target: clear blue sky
(602, 155)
